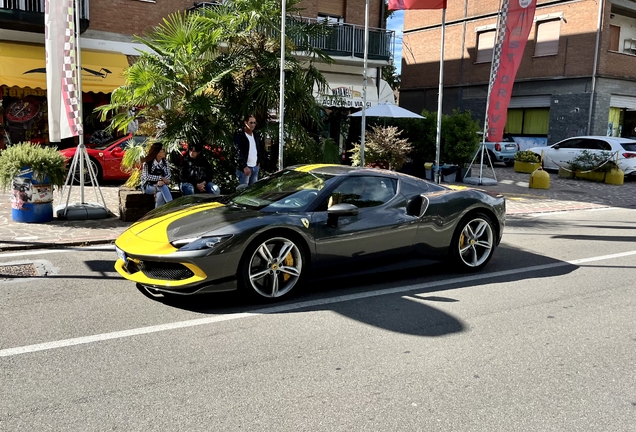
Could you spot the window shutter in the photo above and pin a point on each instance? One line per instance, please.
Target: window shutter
(485, 45)
(547, 38)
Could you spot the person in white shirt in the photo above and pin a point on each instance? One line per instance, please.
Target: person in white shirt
(249, 152)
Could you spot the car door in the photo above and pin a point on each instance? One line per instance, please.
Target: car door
(561, 153)
(381, 231)
(111, 158)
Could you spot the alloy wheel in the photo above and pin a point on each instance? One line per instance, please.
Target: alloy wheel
(476, 243)
(275, 267)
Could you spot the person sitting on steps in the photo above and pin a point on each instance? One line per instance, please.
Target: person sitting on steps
(196, 173)
(155, 175)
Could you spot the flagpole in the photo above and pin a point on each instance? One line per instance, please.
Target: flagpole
(440, 94)
(80, 108)
(281, 96)
(363, 125)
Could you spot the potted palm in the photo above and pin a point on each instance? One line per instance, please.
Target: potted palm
(526, 161)
(31, 170)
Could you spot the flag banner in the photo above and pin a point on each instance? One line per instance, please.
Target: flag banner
(63, 98)
(416, 4)
(517, 17)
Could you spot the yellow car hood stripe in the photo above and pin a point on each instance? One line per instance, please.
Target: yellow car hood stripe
(165, 220)
(308, 168)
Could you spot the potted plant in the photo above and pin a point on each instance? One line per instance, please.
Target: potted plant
(32, 171)
(592, 166)
(526, 161)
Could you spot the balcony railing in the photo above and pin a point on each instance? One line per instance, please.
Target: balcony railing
(26, 15)
(348, 40)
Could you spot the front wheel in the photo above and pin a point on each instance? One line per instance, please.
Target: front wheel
(272, 268)
(474, 242)
(97, 170)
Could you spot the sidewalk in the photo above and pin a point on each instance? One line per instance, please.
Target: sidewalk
(563, 194)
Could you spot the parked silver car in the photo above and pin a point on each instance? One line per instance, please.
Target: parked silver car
(563, 152)
(502, 151)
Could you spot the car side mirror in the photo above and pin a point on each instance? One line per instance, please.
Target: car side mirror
(118, 151)
(337, 210)
(556, 146)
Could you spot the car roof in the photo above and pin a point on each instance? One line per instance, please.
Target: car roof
(602, 137)
(339, 170)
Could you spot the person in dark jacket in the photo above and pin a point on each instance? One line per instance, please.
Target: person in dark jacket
(155, 175)
(196, 173)
(250, 152)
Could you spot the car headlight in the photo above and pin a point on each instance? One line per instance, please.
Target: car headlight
(199, 243)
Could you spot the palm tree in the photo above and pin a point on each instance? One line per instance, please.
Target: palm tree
(209, 69)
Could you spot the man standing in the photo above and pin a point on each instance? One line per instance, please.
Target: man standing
(249, 152)
(196, 173)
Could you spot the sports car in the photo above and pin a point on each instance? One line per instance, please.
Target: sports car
(303, 220)
(105, 159)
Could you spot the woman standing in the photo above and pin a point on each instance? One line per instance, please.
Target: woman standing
(155, 175)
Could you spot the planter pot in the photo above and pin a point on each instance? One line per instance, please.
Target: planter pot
(31, 199)
(563, 173)
(592, 176)
(526, 167)
(464, 172)
(615, 177)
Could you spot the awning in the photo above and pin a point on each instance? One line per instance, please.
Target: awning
(346, 91)
(24, 65)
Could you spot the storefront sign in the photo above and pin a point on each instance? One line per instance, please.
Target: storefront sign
(342, 97)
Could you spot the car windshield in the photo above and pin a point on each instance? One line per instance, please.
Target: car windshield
(284, 191)
(629, 146)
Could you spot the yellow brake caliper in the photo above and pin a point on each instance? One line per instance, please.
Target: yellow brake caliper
(289, 261)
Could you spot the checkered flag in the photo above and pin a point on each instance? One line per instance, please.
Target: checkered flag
(62, 70)
(496, 52)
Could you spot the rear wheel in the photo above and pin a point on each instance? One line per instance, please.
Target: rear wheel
(474, 242)
(510, 163)
(272, 267)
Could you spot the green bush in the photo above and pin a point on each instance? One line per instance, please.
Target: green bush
(588, 161)
(45, 162)
(383, 146)
(460, 138)
(527, 156)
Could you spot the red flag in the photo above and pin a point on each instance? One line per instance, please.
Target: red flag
(416, 4)
(518, 22)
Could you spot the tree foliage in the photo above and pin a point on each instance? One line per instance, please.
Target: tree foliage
(208, 70)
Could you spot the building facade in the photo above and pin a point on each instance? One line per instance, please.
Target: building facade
(108, 46)
(577, 75)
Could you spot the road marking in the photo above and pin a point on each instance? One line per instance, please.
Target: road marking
(290, 307)
(55, 251)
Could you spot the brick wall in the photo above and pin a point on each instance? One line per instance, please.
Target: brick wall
(420, 54)
(131, 16)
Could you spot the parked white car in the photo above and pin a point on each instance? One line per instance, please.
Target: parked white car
(561, 153)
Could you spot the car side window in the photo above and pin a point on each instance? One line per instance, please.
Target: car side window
(598, 145)
(572, 144)
(364, 191)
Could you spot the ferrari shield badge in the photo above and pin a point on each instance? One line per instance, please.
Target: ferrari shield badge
(305, 222)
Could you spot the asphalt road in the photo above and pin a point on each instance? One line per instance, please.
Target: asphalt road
(542, 340)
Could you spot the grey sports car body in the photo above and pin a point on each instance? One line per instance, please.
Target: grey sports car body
(309, 218)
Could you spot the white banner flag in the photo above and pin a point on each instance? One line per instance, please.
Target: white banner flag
(62, 75)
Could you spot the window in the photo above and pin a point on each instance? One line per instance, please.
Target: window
(528, 121)
(365, 191)
(330, 19)
(485, 45)
(547, 39)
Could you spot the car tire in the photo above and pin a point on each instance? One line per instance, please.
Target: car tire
(272, 266)
(474, 242)
(509, 163)
(97, 168)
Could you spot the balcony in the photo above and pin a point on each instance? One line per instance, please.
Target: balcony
(348, 40)
(28, 15)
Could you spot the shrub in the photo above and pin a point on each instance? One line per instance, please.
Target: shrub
(527, 156)
(383, 145)
(588, 161)
(45, 162)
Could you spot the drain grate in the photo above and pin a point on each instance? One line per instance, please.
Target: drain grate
(18, 270)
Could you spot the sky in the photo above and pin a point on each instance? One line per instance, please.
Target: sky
(396, 22)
